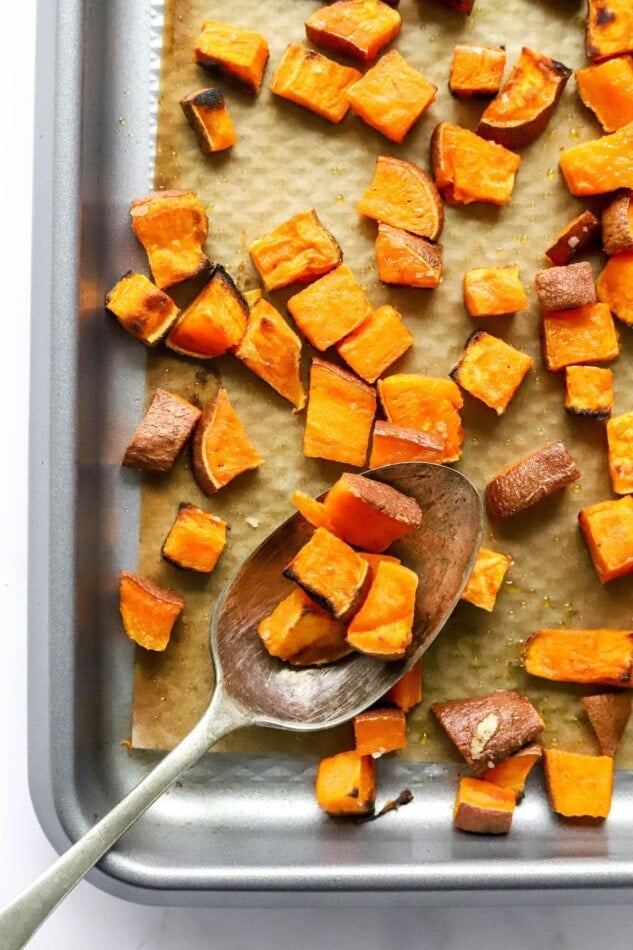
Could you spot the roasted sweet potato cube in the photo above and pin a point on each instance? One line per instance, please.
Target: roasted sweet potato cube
(565, 288)
(598, 656)
(297, 252)
(476, 70)
(273, 351)
(620, 446)
(608, 29)
(383, 626)
(233, 52)
(589, 392)
(214, 322)
(341, 410)
(579, 234)
(195, 540)
(513, 772)
(617, 224)
(494, 291)
(302, 633)
(483, 808)
(392, 443)
(172, 227)
(317, 309)
(311, 509)
(221, 447)
(407, 259)
(369, 514)
(600, 165)
(355, 28)
(467, 168)
(491, 370)
(346, 784)
(579, 786)
(607, 89)
(407, 692)
(607, 528)
(313, 81)
(162, 433)
(207, 114)
(380, 730)
(428, 404)
(615, 286)
(530, 480)
(392, 95)
(402, 194)
(487, 729)
(486, 578)
(148, 612)
(377, 343)
(581, 335)
(331, 573)
(608, 713)
(146, 312)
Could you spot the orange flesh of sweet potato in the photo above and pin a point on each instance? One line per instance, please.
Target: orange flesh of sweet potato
(494, 291)
(607, 528)
(317, 309)
(578, 785)
(607, 89)
(476, 70)
(598, 656)
(589, 392)
(233, 52)
(428, 404)
(221, 448)
(617, 224)
(196, 540)
(346, 784)
(407, 259)
(483, 808)
(172, 227)
(375, 559)
(573, 239)
(521, 111)
(467, 168)
(402, 194)
(341, 410)
(530, 480)
(214, 322)
(148, 612)
(392, 443)
(380, 730)
(486, 578)
(302, 633)
(314, 82)
(392, 96)
(491, 370)
(620, 452)
(208, 116)
(311, 509)
(162, 433)
(377, 343)
(512, 773)
(600, 165)
(146, 312)
(355, 28)
(565, 288)
(615, 286)
(272, 351)
(407, 692)
(383, 627)
(608, 713)
(580, 335)
(608, 29)
(298, 251)
(331, 573)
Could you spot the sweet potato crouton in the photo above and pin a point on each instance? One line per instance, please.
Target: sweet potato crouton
(607, 89)
(530, 480)
(195, 540)
(607, 528)
(486, 578)
(314, 82)
(162, 433)
(341, 410)
(467, 168)
(589, 392)
(608, 713)
(392, 443)
(377, 343)
(573, 239)
(406, 259)
(221, 447)
(383, 626)
(599, 656)
(601, 165)
(608, 29)
(172, 227)
(615, 286)
(494, 291)
(620, 444)
(317, 309)
(238, 54)
(513, 772)
(578, 785)
(617, 224)
(208, 116)
(565, 288)
(392, 96)
(581, 335)
(272, 351)
(428, 404)
(214, 322)
(148, 611)
(407, 692)
(491, 370)
(145, 311)
(346, 784)
(476, 70)
(483, 808)
(297, 252)
(355, 28)
(402, 194)
(380, 730)
(300, 632)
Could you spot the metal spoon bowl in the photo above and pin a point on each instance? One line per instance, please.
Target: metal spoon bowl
(253, 688)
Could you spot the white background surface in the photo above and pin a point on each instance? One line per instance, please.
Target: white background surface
(90, 918)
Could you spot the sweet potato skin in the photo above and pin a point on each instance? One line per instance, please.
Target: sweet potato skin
(617, 224)
(162, 433)
(573, 239)
(565, 288)
(608, 713)
(483, 808)
(530, 480)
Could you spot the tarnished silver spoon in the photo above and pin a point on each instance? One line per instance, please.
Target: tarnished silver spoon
(253, 688)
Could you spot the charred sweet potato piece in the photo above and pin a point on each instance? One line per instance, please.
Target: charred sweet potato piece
(615, 286)
(607, 528)
(617, 224)
(600, 165)
(565, 288)
(608, 713)
(383, 626)
(530, 480)
(428, 404)
(377, 343)
(392, 95)
(208, 116)
(476, 70)
(589, 392)
(341, 410)
(607, 89)
(331, 573)
(233, 52)
(195, 540)
(313, 81)
(146, 312)
(221, 448)
(620, 446)
(172, 227)
(369, 514)
(273, 351)
(407, 259)
(487, 729)
(599, 656)
(494, 291)
(317, 309)
(297, 252)
(491, 370)
(578, 785)
(486, 578)
(214, 322)
(302, 633)
(407, 692)
(355, 28)
(380, 730)
(346, 784)
(581, 335)
(573, 239)
(148, 611)
(483, 808)
(402, 194)
(162, 433)
(522, 109)
(513, 772)
(392, 443)
(608, 29)
(467, 168)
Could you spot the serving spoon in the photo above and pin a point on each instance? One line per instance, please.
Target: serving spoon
(253, 688)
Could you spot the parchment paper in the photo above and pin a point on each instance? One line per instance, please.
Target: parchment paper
(287, 160)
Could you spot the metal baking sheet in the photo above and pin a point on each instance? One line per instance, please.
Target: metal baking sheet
(238, 826)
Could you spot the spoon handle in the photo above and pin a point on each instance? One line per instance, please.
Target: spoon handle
(23, 915)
